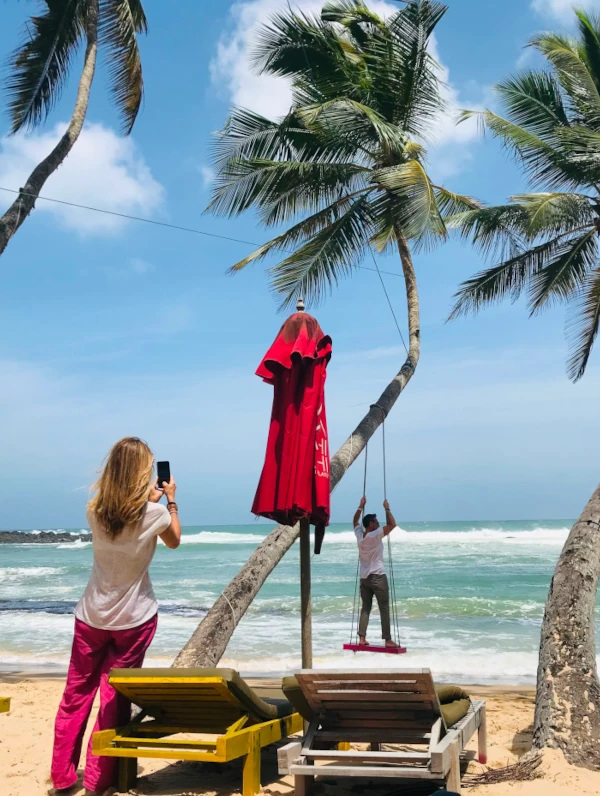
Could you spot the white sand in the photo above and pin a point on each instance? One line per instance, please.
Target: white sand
(26, 742)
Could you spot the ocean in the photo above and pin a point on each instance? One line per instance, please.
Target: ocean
(470, 599)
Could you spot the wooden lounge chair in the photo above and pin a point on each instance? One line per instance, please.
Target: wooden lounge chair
(382, 707)
(188, 702)
(4, 704)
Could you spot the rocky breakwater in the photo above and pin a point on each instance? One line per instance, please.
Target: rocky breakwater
(39, 537)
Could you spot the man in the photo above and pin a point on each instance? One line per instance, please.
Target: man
(373, 580)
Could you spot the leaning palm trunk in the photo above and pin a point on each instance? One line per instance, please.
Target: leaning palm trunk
(567, 709)
(25, 203)
(209, 642)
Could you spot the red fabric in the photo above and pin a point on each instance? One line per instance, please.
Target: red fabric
(95, 652)
(295, 477)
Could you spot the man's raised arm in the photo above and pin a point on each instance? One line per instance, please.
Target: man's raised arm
(390, 522)
(358, 512)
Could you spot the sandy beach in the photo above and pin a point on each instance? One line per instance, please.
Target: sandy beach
(26, 739)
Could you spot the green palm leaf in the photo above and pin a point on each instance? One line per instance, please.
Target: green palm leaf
(553, 213)
(589, 30)
(333, 252)
(566, 273)
(411, 85)
(573, 74)
(288, 184)
(496, 231)
(120, 22)
(533, 100)
(506, 279)
(417, 207)
(582, 328)
(299, 233)
(40, 66)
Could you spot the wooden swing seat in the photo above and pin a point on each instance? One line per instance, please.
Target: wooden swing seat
(371, 648)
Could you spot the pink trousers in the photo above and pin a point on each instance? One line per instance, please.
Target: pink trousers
(95, 652)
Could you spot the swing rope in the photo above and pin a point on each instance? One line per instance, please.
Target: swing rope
(392, 580)
(357, 578)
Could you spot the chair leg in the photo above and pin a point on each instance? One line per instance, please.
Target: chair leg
(251, 775)
(303, 786)
(127, 773)
(453, 778)
(482, 737)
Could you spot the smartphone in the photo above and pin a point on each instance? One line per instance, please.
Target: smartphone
(163, 471)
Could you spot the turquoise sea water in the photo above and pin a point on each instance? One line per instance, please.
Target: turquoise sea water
(470, 598)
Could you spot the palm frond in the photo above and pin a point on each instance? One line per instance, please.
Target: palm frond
(335, 251)
(582, 327)
(405, 77)
(534, 101)
(40, 66)
(417, 209)
(120, 23)
(554, 213)
(573, 74)
(589, 30)
(451, 204)
(298, 233)
(506, 279)
(497, 231)
(306, 49)
(291, 185)
(362, 123)
(545, 163)
(566, 272)
(352, 14)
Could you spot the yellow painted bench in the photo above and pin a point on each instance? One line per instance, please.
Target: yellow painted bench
(213, 702)
(4, 704)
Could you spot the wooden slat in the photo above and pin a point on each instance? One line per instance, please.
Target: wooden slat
(360, 710)
(369, 757)
(366, 684)
(379, 724)
(388, 697)
(379, 673)
(366, 772)
(369, 735)
(421, 709)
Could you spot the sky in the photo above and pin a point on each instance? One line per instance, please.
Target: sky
(113, 327)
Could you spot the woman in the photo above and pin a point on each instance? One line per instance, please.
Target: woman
(115, 620)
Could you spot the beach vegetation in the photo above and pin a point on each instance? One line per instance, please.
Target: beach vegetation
(39, 70)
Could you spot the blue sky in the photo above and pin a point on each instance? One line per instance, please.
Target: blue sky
(114, 328)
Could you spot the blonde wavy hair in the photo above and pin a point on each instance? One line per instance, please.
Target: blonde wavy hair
(124, 486)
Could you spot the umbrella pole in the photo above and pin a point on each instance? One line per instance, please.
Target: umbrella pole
(305, 597)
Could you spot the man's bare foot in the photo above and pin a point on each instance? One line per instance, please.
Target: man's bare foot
(363, 642)
(390, 644)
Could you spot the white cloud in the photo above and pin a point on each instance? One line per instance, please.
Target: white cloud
(140, 266)
(271, 96)
(207, 174)
(103, 170)
(562, 9)
(451, 142)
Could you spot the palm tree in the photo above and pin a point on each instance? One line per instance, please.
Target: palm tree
(39, 70)
(547, 243)
(346, 165)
